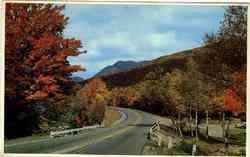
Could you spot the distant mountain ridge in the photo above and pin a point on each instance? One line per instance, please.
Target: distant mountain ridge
(159, 66)
(121, 66)
(77, 79)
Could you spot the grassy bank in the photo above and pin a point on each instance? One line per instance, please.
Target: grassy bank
(110, 117)
(212, 146)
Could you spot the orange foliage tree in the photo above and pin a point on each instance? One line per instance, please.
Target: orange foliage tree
(93, 98)
(235, 95)
(239, 83)
(232, 102)
(36, 65)
(125, 97)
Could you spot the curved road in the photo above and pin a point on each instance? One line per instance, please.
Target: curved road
(124, 138)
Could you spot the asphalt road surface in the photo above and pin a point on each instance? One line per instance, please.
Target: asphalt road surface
(124, 138)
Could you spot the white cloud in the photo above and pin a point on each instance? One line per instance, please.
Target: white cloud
(159, 40)
(117, 40)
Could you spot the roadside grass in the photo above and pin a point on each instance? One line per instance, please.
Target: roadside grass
(237, 136)
(151, 149)
(110, 117)
(206, 147)
(215, 145)
(185, 148)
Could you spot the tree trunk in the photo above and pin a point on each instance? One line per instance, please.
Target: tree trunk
(190, 121)
(227, 136)
(195, 144)
(196, 124)
(174, 125)
(179, 124)
(170, 143)
(207, 135)
(225, 132)
(223, 125)
(194, 149)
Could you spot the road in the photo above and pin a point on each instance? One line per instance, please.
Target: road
(124, 138)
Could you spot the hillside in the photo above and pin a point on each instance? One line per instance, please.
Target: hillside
(121, 66)
(160, 66)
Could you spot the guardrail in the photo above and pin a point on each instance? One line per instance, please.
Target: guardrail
(72, 131)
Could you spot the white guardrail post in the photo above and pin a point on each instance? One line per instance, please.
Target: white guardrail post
(72, 131)
(154, 133)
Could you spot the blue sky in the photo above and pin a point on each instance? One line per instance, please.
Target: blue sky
(136, 32)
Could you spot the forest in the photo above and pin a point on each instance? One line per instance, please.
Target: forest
(201, 84)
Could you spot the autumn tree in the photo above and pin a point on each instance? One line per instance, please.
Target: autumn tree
(124, 97)
(239, 88)
(36, 65)
(196, 94)
(229, 47)
(92, 100)
(226, 49)
(115, 96)
(151, 94)
(188, 86)
(206, 104)
(234, 102)
(175, 97)
(191, 89)
(230, 42)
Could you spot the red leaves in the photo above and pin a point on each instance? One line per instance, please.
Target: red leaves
(232, 102)
(71, 44)
(60, 57)
(46, 79)
(36, 52)
(73, 68)
(38, 95)
(239, 82)
(235, 96)
(53, 88)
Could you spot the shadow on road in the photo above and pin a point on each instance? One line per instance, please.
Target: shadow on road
(140, 125)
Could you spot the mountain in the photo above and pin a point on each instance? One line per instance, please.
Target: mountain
(121, 66)
(77, 79)
(159, 66)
